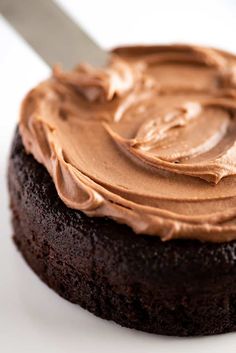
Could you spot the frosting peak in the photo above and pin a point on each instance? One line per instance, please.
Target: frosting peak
(149, 141)
(99, 84)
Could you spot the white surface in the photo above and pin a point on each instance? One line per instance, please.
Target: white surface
(209, 22)
(32, 317)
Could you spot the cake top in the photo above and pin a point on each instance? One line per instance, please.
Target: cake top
(149, 141)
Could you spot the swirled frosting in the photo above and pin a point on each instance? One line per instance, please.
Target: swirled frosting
(149, 141)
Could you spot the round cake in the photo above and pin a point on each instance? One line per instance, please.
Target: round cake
(122, 184)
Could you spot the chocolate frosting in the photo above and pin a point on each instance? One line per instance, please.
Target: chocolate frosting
(149, 141)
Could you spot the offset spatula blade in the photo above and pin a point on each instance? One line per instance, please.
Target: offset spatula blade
(51, 33)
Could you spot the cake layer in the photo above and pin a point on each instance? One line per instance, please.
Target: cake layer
(180, 287)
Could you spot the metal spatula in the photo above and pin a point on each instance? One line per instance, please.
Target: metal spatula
(51, 33)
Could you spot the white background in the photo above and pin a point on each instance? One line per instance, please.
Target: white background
(32, 317)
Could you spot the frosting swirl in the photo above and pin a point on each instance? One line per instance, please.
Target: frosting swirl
(149, 141)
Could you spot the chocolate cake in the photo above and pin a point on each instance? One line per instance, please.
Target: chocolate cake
(122, 188)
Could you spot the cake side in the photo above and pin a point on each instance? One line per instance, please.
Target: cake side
(176, 288)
